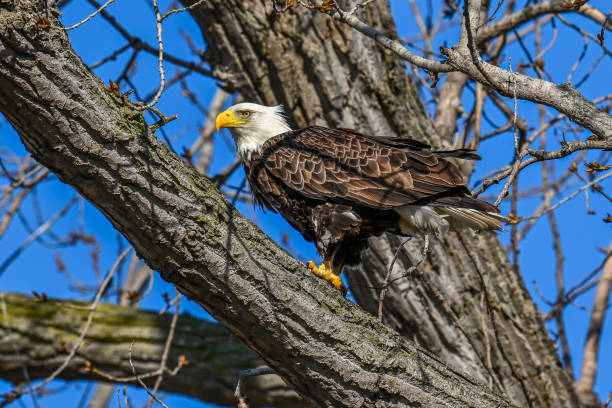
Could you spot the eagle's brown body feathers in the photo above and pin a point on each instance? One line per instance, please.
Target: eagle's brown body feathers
(339, 187)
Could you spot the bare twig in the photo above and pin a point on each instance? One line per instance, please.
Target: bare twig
(395, 46)
(548, 195)
(383, 290)
(16, 203)
(171, 303)
(139, 379)
(240, 392)
(578, 289)
(517, 153)
(39, 231)
(125, 397)
(160, 59)
(221, 177)
(569, 197)
(514, 241)
(608, 401)
(89, 17)
(579, 60)
(164, 358)
(539, 155)
(194, 5)
(111, 57)
(139, 44)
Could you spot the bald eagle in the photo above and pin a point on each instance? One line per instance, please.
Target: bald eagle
(339, 187)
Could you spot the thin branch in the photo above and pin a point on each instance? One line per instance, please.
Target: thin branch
(448, 309)
(194, 5)
(569, 197)
(585, 47)
(393, 45)
(89, 17)
(240, 392)
(383, 290)
(559, 259)
(160, 59)
(111, 57)
(139, 44)
(539, 155)
(578, 289)
(17, 201)
(517, 155)
(551, 193)
(39, 231)
(139, 379)
(608, 401)
(164, 358)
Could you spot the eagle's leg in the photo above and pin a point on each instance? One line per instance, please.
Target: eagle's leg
(330, 272)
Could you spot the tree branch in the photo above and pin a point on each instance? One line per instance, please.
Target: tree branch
(590, 354)
(215, 358)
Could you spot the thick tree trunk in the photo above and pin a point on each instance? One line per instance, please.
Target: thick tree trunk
(40, 333)
(326, 73)
(327, 348)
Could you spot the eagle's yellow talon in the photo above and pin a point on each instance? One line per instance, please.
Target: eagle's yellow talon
(328, 274)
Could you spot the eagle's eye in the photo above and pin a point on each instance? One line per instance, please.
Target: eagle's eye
(244, 114)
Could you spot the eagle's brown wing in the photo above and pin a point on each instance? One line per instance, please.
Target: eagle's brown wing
(346, 166)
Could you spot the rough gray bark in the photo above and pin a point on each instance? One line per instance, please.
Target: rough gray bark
(326, 73)
(327, 348)
(215, 357)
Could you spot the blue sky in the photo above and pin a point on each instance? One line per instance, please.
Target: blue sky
(582, 234)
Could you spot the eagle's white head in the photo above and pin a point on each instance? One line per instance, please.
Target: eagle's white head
(251, 125)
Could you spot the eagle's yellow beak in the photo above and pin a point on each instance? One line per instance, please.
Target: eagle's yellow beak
(226, 120)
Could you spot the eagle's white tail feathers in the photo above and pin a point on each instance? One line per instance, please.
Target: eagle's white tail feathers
(415, 218)
(467, 217)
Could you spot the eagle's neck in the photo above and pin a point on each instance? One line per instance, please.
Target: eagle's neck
(252, 137)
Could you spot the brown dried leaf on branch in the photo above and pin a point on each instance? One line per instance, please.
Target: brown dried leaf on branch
(113, 88)
(514, 219)
(595, 166)
(325, 7)
(574, 5)
(42, 22)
